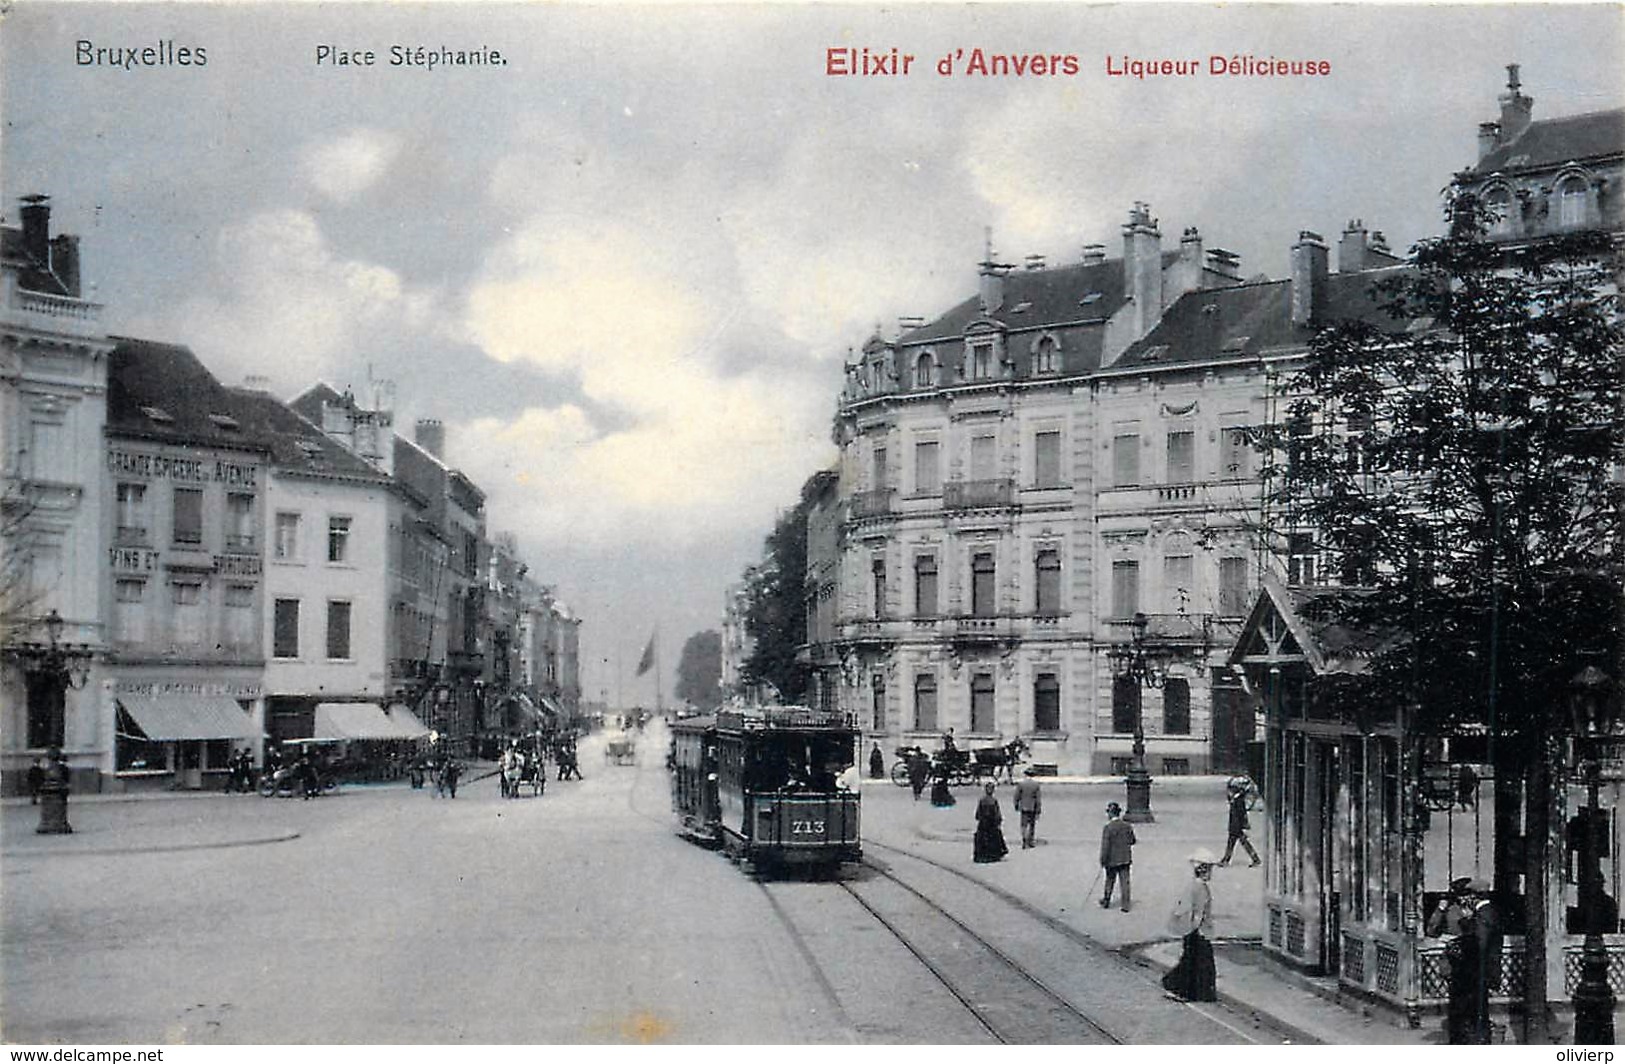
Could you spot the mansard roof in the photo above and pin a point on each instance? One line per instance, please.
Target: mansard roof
(1551, 142)
(1245, 321)
(32, 274)
(1052, 296)
(298, 445)
(163, 392)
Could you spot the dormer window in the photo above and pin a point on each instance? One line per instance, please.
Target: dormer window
(1499, 202)
(158, 414)
(924, 371)
(981, 361)
(1045, 358)
(1092, 297)
(1571, 203)
(1154, 354)
(225, 422)
(1022, 307)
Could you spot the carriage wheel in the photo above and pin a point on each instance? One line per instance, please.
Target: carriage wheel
(899, 774)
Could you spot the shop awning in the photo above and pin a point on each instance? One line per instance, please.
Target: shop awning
(551, 708)
(527, 709)
(172, 718)
(353, 720)
(406, 722)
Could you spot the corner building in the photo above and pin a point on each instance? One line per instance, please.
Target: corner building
(964, 594)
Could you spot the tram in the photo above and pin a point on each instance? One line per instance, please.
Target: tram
(761, 784)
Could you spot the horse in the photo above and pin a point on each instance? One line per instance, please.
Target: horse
(991, 761)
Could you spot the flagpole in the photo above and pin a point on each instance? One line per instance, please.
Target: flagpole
(660, 706)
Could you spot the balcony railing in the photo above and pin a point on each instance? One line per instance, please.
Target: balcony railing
(973, 494)
(876, 503)
(972, 629)
(1176, 629)
(53, 306)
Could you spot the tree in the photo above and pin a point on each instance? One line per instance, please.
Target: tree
(775, 615)
(1459, 463)
(699, 670)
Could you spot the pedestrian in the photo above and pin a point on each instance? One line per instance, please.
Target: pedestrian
(919, 773)
(307, 777)
(877, 764)
(941, 796)
(1238, 827)
(1117, 855)
(1029, 803)
(1194, 978)
(36, 780)
(989, 845)
(1474, 957)
(453, 770)
(1451, 915)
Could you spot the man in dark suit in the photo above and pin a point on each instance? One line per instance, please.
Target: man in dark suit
(1116, 854)
(1475, 968)
(1029, 803)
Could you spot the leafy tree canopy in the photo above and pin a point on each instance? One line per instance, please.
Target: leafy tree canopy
(1461, 461)
(776, 615)
(699, 670)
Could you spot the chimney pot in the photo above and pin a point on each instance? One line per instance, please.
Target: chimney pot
(430, 434)
(36, 216)
(1308, 302)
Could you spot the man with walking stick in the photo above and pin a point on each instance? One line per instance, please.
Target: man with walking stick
(1116, 854)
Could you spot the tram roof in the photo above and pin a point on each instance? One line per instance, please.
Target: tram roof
(786, 718)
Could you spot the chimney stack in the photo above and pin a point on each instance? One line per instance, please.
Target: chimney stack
(991, 275)
(36, 215)
(1226, 264)
(430, 434)
(65, 262)
(1308, 278)
(1142, 268)
(1516, 108)
(1489, 138)
(1094, 254)
(1035, 262)
(1351, 247)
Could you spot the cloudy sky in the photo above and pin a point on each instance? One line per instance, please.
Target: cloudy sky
(625, 267)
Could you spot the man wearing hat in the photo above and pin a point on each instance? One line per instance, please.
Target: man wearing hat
(1475, 967)
(1029, 803)
(1451, 914)
(1116, 853)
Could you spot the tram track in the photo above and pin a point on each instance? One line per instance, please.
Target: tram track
(1245, 1025)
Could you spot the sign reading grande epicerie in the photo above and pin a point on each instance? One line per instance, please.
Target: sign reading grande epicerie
(176, 467)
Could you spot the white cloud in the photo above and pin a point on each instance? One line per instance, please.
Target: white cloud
(691, 452)
(347, 165)
(289, 307)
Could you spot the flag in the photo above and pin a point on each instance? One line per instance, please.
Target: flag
(647, 662)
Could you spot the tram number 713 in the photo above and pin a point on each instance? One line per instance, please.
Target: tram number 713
(807, 827)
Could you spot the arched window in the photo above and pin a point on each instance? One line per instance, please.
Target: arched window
(1499, 202)
(1571, 203)
(1045, 357)
(924, 371)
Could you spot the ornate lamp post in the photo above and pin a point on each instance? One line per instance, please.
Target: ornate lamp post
(1590, 704)
(1133, 663)
(61, 667)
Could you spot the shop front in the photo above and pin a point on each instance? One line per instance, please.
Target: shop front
(178, 734)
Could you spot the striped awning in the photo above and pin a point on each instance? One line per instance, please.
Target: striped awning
(353, 720)
(175, 718)
(406, 722)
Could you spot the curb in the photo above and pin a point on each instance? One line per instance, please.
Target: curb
(22, 853)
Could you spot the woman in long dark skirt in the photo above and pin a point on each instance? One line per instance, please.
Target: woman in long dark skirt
(940, 794)
(1193, 978)
(990, 845)
(919, 773)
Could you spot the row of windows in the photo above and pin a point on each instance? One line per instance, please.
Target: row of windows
(1046, 702)
(135, 521)
(1127, 705)
(1180, 454)
(1571, 201)
(137, 621)
(983, 584)
(1179, 584)
(1178, 581)
(981, 363)
(984, 453)
(285, 548)
(285, 629)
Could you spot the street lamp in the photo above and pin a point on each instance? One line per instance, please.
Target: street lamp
(1132, 662)
(61, 667)
(1590, 705)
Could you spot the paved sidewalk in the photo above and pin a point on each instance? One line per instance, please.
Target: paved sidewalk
(1058, 878)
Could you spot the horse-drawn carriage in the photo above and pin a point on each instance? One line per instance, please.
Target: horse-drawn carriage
(621, 750)
(987, 763)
